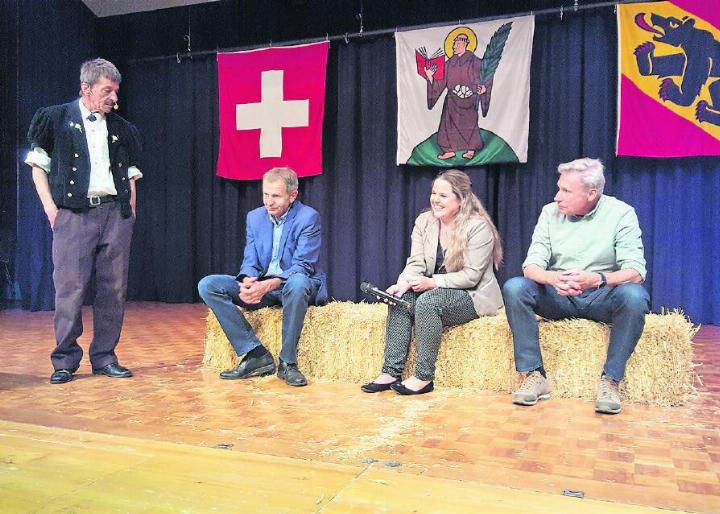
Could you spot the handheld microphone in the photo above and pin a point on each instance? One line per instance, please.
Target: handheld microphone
(378, 293)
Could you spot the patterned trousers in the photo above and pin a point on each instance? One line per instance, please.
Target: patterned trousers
(431, 311)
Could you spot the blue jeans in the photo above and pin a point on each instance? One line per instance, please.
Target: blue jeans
(222, 294)
(623, 306)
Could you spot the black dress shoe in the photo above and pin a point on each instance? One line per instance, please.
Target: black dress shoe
(113, 370)
(251, 367)
(60, 376)
(291, 374)
(399, 388)
(374, 387)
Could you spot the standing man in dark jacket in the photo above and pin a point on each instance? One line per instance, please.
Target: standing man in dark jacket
(84, 165)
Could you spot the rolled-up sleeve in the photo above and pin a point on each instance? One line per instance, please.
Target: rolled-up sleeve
(40, 138)
(38, 158)
(135, 148)
(134, 173)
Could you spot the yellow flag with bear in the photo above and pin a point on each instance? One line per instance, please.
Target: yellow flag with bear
(669, 80)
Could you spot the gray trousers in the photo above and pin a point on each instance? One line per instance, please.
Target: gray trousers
(97, 240)
(431, 311)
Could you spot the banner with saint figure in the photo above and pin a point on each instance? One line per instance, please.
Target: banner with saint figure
(464, 93)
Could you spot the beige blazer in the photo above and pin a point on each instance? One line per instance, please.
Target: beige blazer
(477, 276)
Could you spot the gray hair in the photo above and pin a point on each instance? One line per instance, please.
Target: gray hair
(287, 175)
(591, 172)
(93, 70)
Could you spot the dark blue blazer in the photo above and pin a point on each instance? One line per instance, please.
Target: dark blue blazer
(299, 246)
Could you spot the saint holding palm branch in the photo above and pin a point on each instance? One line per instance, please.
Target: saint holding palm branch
(468, 80)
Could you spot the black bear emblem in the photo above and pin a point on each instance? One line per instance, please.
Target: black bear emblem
(697, 64)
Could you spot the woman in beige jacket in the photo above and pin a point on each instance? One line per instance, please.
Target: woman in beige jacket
(448, 279)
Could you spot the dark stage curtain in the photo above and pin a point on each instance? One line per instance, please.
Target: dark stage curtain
(47, 74)
(191, 223)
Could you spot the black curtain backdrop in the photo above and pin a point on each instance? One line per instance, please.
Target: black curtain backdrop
(191, 223)
(54, 38)
(8, 147)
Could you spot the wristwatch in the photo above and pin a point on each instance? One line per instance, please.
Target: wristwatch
(603, 280)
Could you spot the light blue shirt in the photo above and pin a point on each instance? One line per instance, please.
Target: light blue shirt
(274, 269)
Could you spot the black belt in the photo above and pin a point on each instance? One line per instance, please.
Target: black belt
(94, 201)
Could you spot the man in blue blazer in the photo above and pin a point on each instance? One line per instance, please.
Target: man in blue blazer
(280, 267)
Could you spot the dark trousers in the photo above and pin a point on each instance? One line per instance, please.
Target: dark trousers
(94, 240)
(222, 294)
(623, 306)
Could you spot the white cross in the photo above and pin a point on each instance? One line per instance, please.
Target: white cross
(272, 114)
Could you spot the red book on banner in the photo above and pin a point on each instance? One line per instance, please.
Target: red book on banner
(271, 107)
(425, 61)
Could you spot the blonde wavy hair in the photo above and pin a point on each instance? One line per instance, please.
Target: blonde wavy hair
(471, 208)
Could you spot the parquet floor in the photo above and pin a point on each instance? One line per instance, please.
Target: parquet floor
(648, 456)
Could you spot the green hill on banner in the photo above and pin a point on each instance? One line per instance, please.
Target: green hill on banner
(496, 150)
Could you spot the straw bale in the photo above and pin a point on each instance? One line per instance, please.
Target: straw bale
(477, 354)
(661, 370)
(220, 355)
(344, 342)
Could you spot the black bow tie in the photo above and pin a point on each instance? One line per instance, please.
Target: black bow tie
(92, 117)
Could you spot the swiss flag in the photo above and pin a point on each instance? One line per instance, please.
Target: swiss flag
(272, 103)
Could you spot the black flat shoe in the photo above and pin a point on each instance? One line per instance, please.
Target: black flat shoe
(60, 376)
(374, 387)
(251, 367)
(399, 388)
(113, 370)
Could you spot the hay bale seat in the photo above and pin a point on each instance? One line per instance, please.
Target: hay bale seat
(344, 342)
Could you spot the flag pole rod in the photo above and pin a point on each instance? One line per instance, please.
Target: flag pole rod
(383, 32)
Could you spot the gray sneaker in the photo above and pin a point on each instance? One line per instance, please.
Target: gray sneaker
(535, 387)
(608, 396)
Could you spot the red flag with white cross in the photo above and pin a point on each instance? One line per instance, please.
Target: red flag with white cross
(271, 107)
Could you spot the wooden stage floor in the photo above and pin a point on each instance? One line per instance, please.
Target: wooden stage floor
(175, 438)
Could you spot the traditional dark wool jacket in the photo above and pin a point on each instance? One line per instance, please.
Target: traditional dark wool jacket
(59, 131)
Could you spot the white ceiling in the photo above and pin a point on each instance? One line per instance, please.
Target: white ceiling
(103, 8)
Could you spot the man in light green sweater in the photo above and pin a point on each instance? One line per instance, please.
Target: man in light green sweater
(585, 261)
